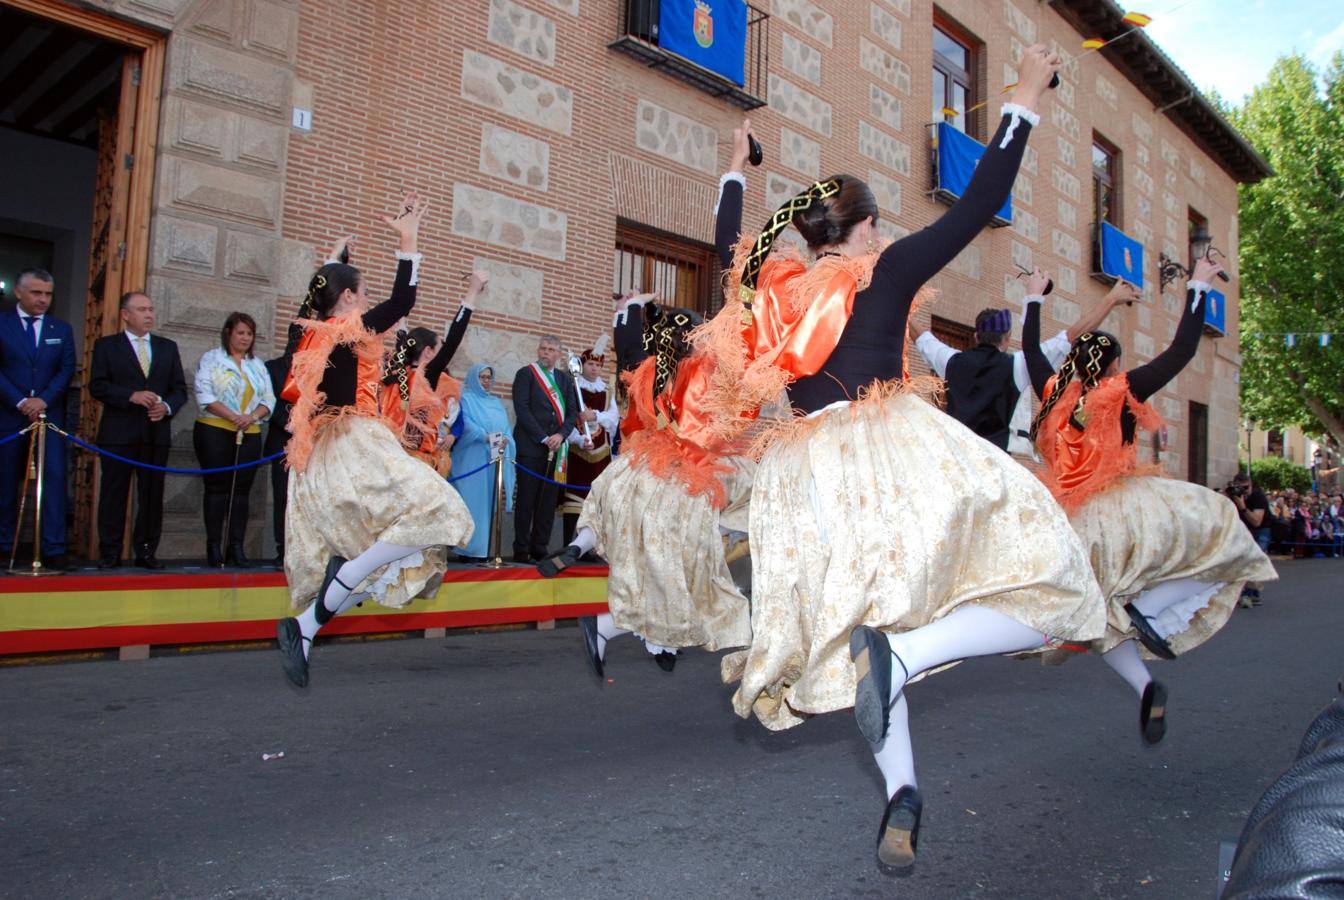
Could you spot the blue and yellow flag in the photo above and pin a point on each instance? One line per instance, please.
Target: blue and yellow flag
(710, 33)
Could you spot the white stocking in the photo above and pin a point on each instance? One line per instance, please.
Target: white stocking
(307, 619)
(1125, 660)
(1160, 596)
(349, 576)
(894, 756)
(606, 627)
(965, 632)
(585, 539)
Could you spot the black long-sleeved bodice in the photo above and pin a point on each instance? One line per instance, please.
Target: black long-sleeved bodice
(1145, 380)
(341, 379)
(872, 346)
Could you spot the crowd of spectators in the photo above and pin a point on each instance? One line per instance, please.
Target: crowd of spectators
(1307, 524)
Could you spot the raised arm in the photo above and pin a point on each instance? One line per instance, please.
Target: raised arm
(921, 255)
(728, 211)
(935, 352)
(457, 330)
(407, 227)
(1147, 380)
(1038, 366)
(1121, 292)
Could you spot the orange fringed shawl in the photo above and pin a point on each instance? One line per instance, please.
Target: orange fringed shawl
(310, 413)
(686, 450)
(796, 319)
(1081, 463)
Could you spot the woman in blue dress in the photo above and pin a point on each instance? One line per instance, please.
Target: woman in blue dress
(482, 414)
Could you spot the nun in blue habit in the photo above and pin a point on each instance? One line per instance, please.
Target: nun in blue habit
(482, 415)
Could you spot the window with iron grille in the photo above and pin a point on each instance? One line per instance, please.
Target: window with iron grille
(682, 272)
(956, 81)
(1197, 459)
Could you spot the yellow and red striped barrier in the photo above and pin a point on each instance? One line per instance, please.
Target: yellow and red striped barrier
(85, 612)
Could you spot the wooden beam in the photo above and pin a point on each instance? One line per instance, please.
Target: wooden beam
(101, 24)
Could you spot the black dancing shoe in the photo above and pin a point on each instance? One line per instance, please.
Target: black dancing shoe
(333, 569)
(1148, 636)
(554, 565)
(290, 638)
(1153, 713)
(591, 651)
(667, 660)
(898, 836)
(872, 657)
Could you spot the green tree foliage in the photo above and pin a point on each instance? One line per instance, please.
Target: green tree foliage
(1274, 473)
(1292, 249)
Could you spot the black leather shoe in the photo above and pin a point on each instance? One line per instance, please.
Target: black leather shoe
(1153, 713)
(667, 661)
(553, 566)
(213, 558)
(333, 567)
(898, 836)
(290, 638)
(148, 562)
(237, 558)
(1154, 642)
(109, 562)
(872, 657)
(57, 562)
(591, 648)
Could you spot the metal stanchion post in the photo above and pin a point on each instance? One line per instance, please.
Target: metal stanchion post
(28, 474)
(38, 446)
(496, 556)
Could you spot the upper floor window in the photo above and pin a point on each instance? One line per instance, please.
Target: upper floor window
(1105, 181)
(681, 272)
(955, 67)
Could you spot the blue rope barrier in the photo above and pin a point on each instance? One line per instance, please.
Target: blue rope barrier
(13, 437)
(479, 468)
(167, 469)
(540, 477)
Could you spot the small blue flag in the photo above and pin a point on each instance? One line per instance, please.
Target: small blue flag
(1121, 255)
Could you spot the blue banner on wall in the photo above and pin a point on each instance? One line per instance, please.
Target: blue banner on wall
(958, 155)
(1215, 312)
(1121, 255)
(710, 33)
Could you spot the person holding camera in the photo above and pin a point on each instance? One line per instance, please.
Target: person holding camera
(1253, 510)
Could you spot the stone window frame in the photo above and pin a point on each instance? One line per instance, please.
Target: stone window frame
(1106, 180)
(655, 254)
(971, 77)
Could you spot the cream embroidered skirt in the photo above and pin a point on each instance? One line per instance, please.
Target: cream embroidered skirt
(669, 582)
(1144, 530)
(890, 513)
(361, 487)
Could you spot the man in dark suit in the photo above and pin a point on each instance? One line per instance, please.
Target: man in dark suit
(277, 435)
(138, 379)
(546, 408)
(37, 361)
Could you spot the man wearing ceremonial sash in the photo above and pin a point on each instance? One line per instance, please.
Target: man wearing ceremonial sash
(590, 452)
(546, 408)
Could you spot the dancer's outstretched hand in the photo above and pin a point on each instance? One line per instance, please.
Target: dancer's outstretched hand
(1123, 292)
(1037, 281)
(407, 223)
(342, 245)
(1039, 64)
(1207, 267)
(741, 147)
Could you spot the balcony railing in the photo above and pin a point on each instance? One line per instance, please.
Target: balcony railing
(638, 38)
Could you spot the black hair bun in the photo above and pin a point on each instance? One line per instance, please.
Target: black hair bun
(816, 224)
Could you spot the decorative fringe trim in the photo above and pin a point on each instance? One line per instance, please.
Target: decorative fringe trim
(667, 454)
(928, 388)
(310, 413)
(1105, 457)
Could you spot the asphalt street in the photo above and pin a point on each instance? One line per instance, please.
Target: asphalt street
(494, 765)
